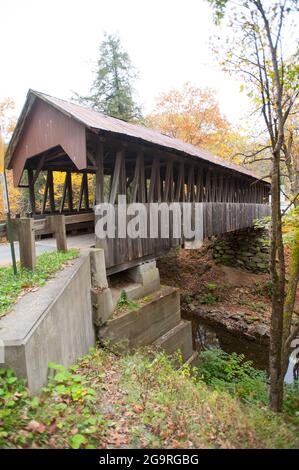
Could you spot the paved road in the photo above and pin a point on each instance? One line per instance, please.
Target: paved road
(5, 254)
(47, 244)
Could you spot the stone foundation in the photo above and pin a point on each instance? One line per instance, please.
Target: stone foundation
(247, 248)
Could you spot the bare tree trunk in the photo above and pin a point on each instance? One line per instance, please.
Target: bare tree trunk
(278, 279)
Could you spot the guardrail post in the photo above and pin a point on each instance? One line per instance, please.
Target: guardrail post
(57, 224)
(26, 242)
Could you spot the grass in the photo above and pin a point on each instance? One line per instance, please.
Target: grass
(11, 286)
(140, 400)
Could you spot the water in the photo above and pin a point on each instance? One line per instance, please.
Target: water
(206, 336)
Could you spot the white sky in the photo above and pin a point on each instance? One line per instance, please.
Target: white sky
(52, 46)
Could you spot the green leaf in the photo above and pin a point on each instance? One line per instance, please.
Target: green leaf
(77, 440)
(11, 380)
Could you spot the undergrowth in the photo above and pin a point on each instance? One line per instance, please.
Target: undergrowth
(141, 400)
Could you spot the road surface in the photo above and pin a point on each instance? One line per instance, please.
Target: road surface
(46, 245)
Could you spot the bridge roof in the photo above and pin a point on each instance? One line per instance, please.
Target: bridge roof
(98, 121)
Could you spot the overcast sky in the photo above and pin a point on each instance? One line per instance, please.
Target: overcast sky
(52, 46)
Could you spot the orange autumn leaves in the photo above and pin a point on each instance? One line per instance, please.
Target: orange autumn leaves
(192, 114)
(7, 123)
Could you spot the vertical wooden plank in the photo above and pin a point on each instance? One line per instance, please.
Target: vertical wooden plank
(180, 183)
(51, 191)
(158, 182)
(153, 180)
(141, 190)
(81, 194)
(122, 176)
(168, 190)
(199, 184)
(99, 173)
(57, 224)
(86, 192)
(44, 204)
(64, 193)
(220, 188)
(70, 191)
(31, 190)
(116, 175)
(190, 185)
(26, 242)
(136, 179)
(208, 186)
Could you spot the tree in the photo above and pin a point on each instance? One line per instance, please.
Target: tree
(112, 89)
(258, 49)
(7, 119)
(192, 114)
(7, 124)
(290, 150)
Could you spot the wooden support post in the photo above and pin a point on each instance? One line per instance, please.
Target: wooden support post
(70, 191)
(39, 168)
(158, 182)
(141, 190)
(86, 192)
(168, 190)
(27, 242)
(63, 193)
(153, 181)
(100, 173)
(208, 186)
(45, 195)
(81, 194)
(57, 224)
(135, 182)
(31, 190)
(116, 175)
(180, 184)
(190, 186)
(122, 176)
(199, 185)
(51, 191)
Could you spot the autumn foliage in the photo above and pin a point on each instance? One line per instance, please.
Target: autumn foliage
(192, 114)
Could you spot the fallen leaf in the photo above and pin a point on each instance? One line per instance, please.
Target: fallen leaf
(138, 408)
(35, 426)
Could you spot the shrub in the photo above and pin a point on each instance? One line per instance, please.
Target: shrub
(233, 374)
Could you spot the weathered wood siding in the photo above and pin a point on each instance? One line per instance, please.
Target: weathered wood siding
(48, 128)
(216, 218)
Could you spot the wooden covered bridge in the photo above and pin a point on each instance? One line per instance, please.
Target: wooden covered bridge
(115, 157)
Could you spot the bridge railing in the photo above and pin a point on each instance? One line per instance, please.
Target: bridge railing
(215, 219)
(222, 217)
(26, 229)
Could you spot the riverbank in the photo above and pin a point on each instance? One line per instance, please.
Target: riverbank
(233, 298)
(238, 323)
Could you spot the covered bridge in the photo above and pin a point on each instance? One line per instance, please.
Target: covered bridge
(53, 135)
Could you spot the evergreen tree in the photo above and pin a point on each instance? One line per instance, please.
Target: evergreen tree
(112, 90)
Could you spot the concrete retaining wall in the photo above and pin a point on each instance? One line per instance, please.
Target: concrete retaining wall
(52, 324)
(144, 325)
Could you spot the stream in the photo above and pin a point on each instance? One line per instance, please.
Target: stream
(206, 336)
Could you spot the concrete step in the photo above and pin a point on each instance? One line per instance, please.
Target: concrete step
(142, 326)
(178, 338)
(133, 289)
(138, 282)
